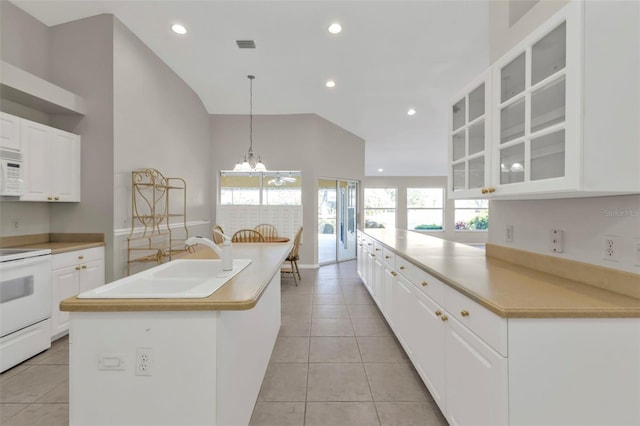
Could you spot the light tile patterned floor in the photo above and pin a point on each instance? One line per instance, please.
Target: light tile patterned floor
(336, 362)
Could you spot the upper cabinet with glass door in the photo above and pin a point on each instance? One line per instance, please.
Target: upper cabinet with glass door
(563, 114)
(469, 138)
(565, 106)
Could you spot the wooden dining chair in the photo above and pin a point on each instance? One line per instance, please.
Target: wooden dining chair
(247, 236)
(293, 257)
(217, 238)
(267, 230)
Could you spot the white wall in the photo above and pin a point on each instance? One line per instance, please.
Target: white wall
(585, 221)
(402, 183)
(304, 142)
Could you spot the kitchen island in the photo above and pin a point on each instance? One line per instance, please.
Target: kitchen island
(177, 361)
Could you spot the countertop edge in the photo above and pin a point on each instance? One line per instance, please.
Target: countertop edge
(510, 313)
(74, 304)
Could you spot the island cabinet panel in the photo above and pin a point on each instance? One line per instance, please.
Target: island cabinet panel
(201, 367)
(180, 388)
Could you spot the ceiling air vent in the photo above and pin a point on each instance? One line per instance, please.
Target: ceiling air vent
(246, 44)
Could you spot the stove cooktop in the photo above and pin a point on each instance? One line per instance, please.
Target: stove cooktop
(8, 254)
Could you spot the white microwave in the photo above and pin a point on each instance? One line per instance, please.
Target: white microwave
(10, 173)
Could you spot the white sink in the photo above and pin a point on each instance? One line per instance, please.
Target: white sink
(179, 279)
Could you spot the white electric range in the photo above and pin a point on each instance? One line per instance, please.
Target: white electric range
(25, 304)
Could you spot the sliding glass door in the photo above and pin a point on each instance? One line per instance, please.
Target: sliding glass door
(337, 213)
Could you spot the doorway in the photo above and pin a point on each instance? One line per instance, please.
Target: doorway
(337, 213)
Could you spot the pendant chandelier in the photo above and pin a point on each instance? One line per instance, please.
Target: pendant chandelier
(250, 162)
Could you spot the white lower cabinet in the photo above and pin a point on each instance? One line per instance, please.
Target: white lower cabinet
(429, 346)
(482, 369)
(476, 376)
(72, 273)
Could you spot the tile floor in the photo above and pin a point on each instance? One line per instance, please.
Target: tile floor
(336, 362)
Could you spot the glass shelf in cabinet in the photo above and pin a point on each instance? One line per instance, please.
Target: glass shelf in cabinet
(459, 145)
(476, 103)
(512, 165)
(548, 105)
(458, 113)
(512, 78)
(549, 54)
(548, 156)
(512, 121)
(476, 138)
(459, 172)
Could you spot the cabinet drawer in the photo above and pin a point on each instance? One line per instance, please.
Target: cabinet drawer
(388, 256)
(485, 324)
(377, 249)
(71, 258)
(428, 284)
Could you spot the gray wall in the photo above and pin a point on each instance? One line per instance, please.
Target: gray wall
(503, 35)
(159, 122)
(304, 142)
(139, 114)
(585, 221)
(24, 42)
(82, 62)
(402, 183)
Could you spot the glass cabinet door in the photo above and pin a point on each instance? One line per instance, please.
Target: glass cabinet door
(469, 139)
(531, 111)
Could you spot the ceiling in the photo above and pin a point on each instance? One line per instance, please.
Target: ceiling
(390, 56)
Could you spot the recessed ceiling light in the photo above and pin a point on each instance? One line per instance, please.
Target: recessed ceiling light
(411, 111)
(380, 170)
(330, 83)
(179, 29)
(335, 28)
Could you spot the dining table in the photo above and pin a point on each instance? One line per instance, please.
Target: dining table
(276, 239)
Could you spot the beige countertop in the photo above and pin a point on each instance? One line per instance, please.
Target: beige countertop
(242, 292)
(507, 289)
(58, 243)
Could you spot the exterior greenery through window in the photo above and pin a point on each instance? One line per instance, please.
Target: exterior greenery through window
(472, 215)
(425, 208)
(380, 207)
(282, 188)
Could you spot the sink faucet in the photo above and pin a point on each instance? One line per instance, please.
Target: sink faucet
(224, 253)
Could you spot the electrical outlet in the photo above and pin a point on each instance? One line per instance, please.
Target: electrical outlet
(508, 234)
(15, 224)
(556, 241)
(636, 251)
(144, 361)
(611, 248)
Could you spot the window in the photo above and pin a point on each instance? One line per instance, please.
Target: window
(472, 215)
(425, 209)
(261, 188)
(380, 207)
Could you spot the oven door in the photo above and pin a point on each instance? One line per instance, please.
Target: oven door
(25, 293)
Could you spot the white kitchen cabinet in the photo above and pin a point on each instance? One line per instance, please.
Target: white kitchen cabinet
(72, 273)
(563, 112)
(51, 163)
(476, 379)
(429, 345)
(9, 132)
(469, 139)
